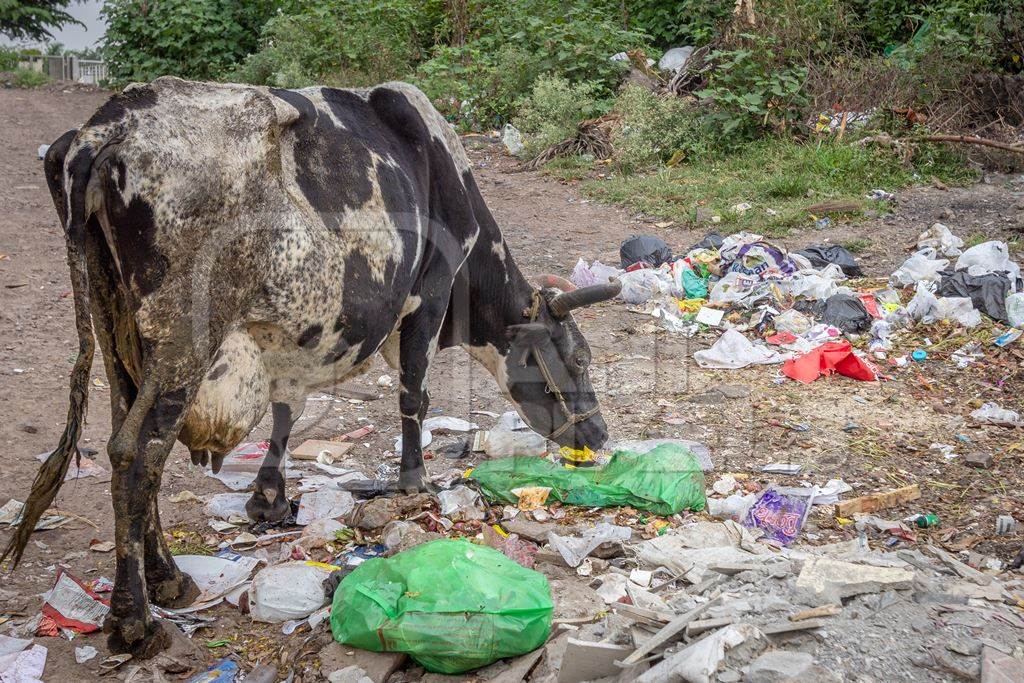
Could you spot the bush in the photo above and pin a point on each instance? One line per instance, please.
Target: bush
(679, 22)
(507, 45)
(553, 109)
(196, 39)
(342, 42)
(8, 58)
(25, 78)
(656, 129)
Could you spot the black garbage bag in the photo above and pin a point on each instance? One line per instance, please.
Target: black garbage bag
(821, 255)
(651, 250)
(711, 241)
(840, 310)
(987, 292)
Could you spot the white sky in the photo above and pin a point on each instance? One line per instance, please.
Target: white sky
(76, 37)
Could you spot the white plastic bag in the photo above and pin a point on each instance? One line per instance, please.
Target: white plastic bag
(291, 590)
(958, 309)
(461, 504)
(989, 257)
(499, 444)
(512, 139)
(792, 321)
(734, 507)
(227, 505)
(639, 286)
(991, 412)
(1015, 309)
(920, 267)
(582, 275)
(575, 550)
(941, 239)
(734, 351)
(324, 504)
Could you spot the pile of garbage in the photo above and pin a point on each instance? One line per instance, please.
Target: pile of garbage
(803, 307)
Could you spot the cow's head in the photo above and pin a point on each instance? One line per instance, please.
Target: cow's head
(547, 367)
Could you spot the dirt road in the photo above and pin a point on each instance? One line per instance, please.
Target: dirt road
(648, 383)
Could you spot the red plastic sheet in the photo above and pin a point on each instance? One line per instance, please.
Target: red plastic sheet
(828, 358)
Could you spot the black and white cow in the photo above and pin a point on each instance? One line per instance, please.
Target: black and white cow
(234, 247)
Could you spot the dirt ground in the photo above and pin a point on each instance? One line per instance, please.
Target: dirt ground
(647, 381)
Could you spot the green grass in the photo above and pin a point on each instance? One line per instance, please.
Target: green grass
(27, 78)
(856, 245)
(569, 169)
(779, 178)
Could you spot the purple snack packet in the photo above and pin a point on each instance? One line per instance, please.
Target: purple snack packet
(778, 515)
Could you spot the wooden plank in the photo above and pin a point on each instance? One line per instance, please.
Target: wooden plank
(695, 628)
(668, 632)
(788, 626)
(642, 615)
(586, 661)
(815, 612)
(878, 501)
(965, 571)
(311, 448)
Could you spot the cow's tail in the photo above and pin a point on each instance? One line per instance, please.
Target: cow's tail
(67, 184)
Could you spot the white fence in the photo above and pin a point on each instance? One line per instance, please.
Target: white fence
(66, 67)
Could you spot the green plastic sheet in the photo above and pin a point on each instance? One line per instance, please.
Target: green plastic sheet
(665, 480)
(451, 604)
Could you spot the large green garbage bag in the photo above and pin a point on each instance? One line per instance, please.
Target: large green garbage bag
(452, 605)
(665, 480)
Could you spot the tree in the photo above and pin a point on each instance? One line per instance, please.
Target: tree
(33, 19)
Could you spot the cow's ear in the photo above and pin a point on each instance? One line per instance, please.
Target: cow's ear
(527, 333)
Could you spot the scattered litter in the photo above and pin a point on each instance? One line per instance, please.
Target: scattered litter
(241, 465)
(222, 671)
(940, 240)
(778, 515)
(822, 255)
(665, 480)
(733, 351)
(85, 653)
(324, 504)
(227, 506)
(86, 467)
(829, 358)
(461, 504)
(287, 591)
(991, 413)
(73, 606)
(425, 440)
(443, 424)
(24, 666)
(497, 443)
(326, 452)
(512, 139)
(406, 604)
(215, 575)
(575, 550)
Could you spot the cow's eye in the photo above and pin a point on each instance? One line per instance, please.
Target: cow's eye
(581, 362)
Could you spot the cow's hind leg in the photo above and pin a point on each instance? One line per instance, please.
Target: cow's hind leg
(269, 502)
(417, 346)
(137, 455)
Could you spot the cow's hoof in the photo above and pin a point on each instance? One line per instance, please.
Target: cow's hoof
(141, 639)
(260, 508)
(415, 482)
(173, 592)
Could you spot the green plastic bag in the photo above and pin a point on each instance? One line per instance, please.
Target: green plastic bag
(452, 605)
(696, 286)
(665, 480)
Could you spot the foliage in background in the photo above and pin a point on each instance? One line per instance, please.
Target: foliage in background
(553, 109)
(196, 39)
(657, 130)
(342, 42)
(674, 23)
(33, 19)
(506, 46)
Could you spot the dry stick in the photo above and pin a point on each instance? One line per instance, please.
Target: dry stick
(966, 139)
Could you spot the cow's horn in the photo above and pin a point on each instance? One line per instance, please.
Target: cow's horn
(549, 280)
(584, 296)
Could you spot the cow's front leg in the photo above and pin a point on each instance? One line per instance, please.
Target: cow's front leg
(269, 502)
(416, 349)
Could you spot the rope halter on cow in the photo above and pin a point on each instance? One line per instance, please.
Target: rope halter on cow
(560, 305)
